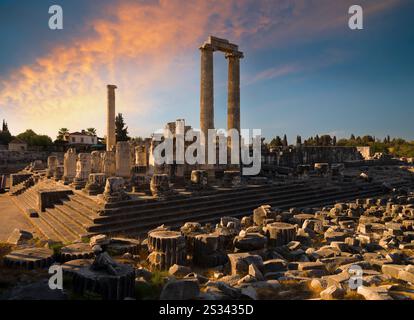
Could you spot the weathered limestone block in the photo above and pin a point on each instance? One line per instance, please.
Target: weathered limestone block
(18, 237)
(29, 258)
(250, 242)
(185, 289)
(109, 286)
(240, 262)
(123, 160)
(69, 166)
(263, 213)
(167, 248)
(141, 156)
(52, 163)
(280, 233)
(119, 246)
(83, 169)
(337, 236)
(108, 163)
(99, 240)
(96, 162)
(75, 251)
(208, 250)
(160, 185)
(179, 271)
(96, 184)
(332, 293)
(274, 265)
(374, 293)
(114, 190)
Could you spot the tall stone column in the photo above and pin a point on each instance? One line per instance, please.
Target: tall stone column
(206, 89)
(110, 125)
(233, 96)
(233, 99)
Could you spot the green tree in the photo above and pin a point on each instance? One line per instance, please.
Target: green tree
(275, 142)
(34, 139)
(61, 133)
(285, 141)
(91, 131)
(121, 130)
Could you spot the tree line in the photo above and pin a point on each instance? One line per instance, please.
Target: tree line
(394, 146)
(41, 140)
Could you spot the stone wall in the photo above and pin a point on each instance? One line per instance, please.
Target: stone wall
(311, 155)
(13, 161)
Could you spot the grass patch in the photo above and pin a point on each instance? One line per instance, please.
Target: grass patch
(56, 247)
(85, 239)
(151, 290)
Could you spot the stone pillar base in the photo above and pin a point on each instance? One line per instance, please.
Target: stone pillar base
(67, 180)
(78, 184)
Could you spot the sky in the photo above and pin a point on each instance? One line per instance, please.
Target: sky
(304, 71)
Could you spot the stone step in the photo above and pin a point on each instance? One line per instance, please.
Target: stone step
(214, 205)
(80, 219)
(85, 202)
(219, 194)
(66, 235)
(375, 191)
(86, 213)
(206, 213)
(189, 205)
(68, 222)
(44, 229)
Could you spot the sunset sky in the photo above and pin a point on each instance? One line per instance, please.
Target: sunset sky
(304, 71)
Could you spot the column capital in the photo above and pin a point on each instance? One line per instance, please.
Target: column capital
(207, 47)
(111, 86)
(234, 54)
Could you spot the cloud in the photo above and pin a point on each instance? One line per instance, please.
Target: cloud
(149, 50)
(325, 59)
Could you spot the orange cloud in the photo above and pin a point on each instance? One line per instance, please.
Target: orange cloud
(148, 48)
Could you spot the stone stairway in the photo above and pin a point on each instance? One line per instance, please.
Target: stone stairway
(64, 222)
(138, 219)
(80, 215)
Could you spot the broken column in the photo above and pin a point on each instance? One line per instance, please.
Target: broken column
(110, 125)
(83, 169)
(280, 233)
(108, 163)
(69, 166)
(167, 248)
(123, 160)
(160, 185)
(96, 162)
(114, 190)
(96, 184)
(52, 163)
(58, 173)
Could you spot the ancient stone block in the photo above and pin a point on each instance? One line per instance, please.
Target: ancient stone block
(280, 233)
